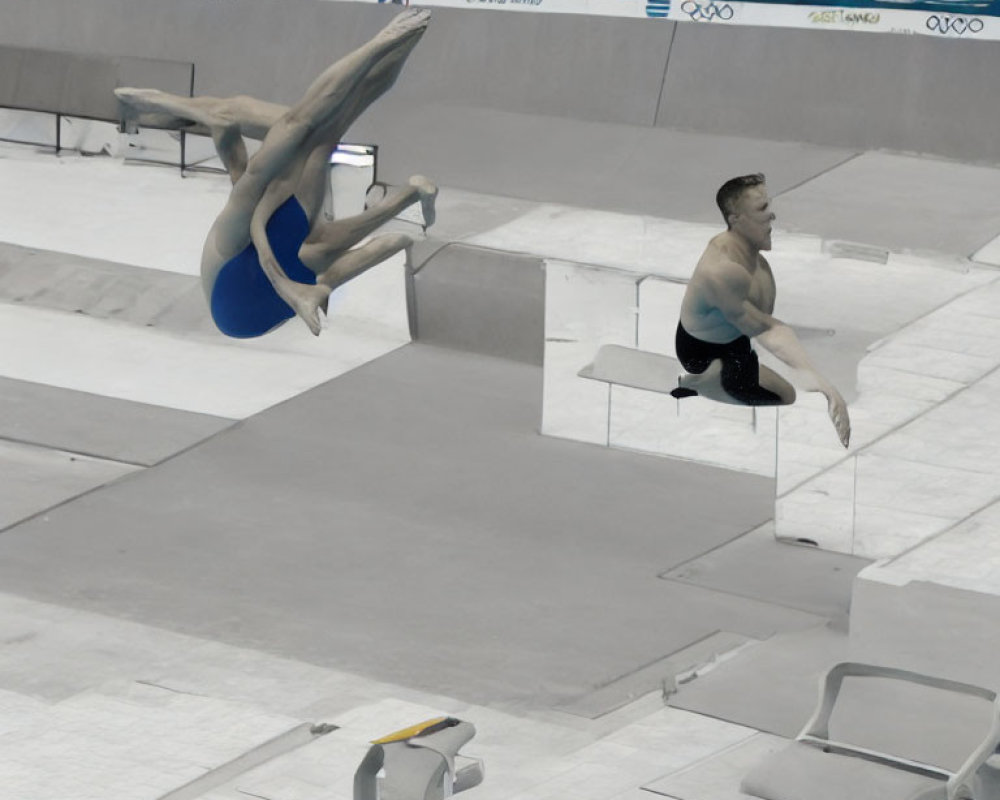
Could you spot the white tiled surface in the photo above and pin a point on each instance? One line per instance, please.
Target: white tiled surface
(210, 376)
(149, 216)
(601, 238)
(126, 740)
(143, 711)
(107, 208)
(966, 556)
(924, 455)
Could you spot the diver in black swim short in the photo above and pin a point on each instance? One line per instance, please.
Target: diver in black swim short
(740, 375)
(729, 301)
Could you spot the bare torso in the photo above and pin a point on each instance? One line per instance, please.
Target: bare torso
(700, 316)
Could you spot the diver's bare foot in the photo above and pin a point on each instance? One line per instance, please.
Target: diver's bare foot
(139, 99)
(145, 101)
(408, 23)
(155, 109)
(307, 301)
(152, 108)
(428, 194)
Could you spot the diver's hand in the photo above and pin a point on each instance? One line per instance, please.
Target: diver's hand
(837, 409)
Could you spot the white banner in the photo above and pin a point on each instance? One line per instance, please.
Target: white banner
(884, 20)
(775, 15)
(601, 8)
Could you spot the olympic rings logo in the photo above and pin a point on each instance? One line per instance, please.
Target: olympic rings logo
(707, 12)
(957, 25)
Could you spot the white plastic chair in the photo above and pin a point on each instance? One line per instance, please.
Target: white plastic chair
(814, 767)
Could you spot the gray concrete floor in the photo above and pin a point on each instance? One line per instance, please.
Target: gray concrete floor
(409, 523)
(102, 427)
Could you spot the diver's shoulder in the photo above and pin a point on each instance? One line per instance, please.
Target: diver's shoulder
(722, 259)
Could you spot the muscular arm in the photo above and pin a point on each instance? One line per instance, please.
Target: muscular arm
(727, 287)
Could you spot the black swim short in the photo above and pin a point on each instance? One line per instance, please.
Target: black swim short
(740, 367)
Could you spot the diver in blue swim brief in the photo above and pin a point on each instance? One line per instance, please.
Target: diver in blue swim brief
(270, 255)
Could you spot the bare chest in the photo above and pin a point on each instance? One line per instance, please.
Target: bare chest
(762, 291)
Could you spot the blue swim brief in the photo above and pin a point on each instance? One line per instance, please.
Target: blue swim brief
(244, 304)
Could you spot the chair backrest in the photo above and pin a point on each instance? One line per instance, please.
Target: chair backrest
(912, 717)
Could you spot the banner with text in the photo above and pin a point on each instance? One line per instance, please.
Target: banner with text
(960, 19)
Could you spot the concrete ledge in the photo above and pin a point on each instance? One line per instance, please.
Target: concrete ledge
(481, 301)
(932, 609)
(926, 627)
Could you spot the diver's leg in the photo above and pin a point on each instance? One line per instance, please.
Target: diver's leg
(706, 383)
(307, 125)
(274, 171)
(744, 380)
(322, 106)
(232, 150)
(341, 88)
(328, 240)
(376, 82)
(736, 382)
(312, 186)
(156, 109)
(354, 262)
(771, 383)
(226, 119)
(315, 177)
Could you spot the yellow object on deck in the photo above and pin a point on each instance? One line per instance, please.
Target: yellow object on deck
(414, 730)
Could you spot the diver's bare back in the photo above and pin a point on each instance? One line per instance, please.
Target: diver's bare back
(726, 265)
